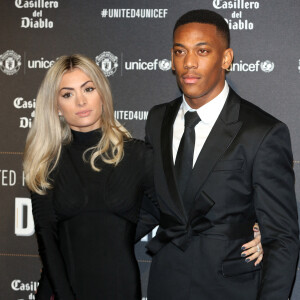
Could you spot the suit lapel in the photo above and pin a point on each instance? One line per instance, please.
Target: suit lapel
(221, 136)
(167, 155)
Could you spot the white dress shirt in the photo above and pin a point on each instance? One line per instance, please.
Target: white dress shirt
(208, 114)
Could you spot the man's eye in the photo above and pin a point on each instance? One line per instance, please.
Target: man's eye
(66, 95)
(203, 51)
(89, 89)
(178, 52)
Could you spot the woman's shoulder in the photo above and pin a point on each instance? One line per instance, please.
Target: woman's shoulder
(133, 145)
(134, 151)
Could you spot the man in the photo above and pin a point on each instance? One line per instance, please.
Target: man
(220, 164)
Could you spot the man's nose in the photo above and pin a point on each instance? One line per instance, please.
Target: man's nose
(190, 61)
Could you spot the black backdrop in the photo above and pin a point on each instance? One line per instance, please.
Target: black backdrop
(131, 41)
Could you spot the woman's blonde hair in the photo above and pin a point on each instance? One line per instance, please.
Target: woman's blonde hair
(49, 132)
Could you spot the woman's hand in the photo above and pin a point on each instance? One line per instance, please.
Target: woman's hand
(253, 250)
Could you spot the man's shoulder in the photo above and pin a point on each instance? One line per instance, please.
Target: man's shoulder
(161, 107)
(253, 113)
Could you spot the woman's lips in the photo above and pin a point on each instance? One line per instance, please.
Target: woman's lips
(84, 113)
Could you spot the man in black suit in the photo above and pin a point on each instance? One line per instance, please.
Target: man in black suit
(220, 164)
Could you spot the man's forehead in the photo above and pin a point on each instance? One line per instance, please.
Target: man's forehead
(196, 26)
(197, 33)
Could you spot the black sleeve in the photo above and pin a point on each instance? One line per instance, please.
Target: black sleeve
(44, 289)
(48, 243)
(148, 217)
(149, 213)
(276, 210)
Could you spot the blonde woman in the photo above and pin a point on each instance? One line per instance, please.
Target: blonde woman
(87, 177)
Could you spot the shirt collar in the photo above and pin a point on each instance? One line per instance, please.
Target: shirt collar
(210, 111)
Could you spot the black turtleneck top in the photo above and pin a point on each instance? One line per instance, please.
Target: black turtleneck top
(86, 224)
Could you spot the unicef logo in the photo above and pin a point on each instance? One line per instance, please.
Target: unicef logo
(107, 62)
(267, 66)
(164, 64)
(10, 62)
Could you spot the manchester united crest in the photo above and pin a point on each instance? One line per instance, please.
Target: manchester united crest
(10, 62)
(107, 62)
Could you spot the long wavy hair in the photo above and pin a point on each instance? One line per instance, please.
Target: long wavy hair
(49, 131)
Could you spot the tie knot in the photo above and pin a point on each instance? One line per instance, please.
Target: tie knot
(191, 119)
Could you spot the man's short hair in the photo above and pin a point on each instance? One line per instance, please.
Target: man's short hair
(205, 16)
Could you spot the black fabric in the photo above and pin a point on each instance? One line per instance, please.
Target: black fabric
(237, 266)
(86, 225)
(185, 154)
(245, 169)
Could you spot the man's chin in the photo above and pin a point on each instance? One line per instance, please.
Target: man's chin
(189, 95)
(192, 91)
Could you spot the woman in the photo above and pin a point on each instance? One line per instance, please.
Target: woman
(87, 177)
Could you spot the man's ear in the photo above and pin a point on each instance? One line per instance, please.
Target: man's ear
(227, 59)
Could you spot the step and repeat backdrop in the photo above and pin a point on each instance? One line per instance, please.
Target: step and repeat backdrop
(131, 42)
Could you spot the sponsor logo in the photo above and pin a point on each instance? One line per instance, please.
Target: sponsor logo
(36, 20)
(8, 177)
(238, 8)
(239, 25)
(24, 225)
(18, 285)
(266, 66)
(11, 178)
(163, 64)
(131, 13)
(26, 122)
(131, 115)
(235, 4)
(40, 63)
(10, 62)
(107, 62)
(39, 23)
(21, 103)
(36, 4)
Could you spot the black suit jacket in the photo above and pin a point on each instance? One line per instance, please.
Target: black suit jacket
(244, 173)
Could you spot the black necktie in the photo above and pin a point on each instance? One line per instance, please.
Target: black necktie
(184, 158)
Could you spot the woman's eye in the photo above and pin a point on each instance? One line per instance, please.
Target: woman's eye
(89, 89)
(66, 95)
